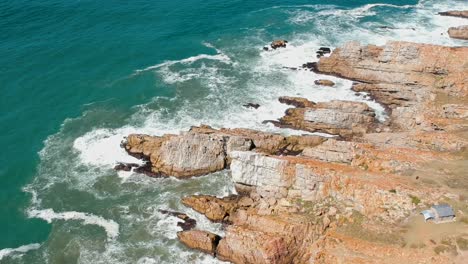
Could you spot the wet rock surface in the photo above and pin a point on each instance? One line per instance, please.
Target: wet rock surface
(455, 13)
(460, 32)
(200, 240)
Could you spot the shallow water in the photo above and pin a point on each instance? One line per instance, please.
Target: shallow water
(77, 76)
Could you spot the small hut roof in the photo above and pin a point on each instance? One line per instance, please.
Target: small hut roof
(443, 210)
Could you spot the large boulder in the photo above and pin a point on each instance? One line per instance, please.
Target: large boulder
(460, 32)
(200, 240)
(279, 44)
(323, 82)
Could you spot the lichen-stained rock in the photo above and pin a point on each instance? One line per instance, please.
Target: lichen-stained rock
(324, 82)
(455, 13)
(201, 240)
(342, 118)
(460, 32)
(215, 209)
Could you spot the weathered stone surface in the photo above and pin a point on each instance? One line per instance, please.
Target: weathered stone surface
(204, 150)
(312, 180)
(278, 44)
(215, 209)
(201, 240)
(342, 118)
(455, 13)
(296, 101)
(187, 222)
(324, 82)
(460, 32)
(399, 63)
(190, 154)
(404, 76)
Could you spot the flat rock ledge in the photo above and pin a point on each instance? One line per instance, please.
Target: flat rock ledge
(204, 150)
(455, 13)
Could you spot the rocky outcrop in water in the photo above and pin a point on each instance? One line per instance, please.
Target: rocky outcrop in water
(323, 82)
(204, 150)
(343, 118)
(278, 44)
(460, 32)
(308, 199)
(455, 13)
(200, 240)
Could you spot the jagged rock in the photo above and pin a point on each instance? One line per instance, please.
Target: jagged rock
(187, 224)
(215, 209)
(323, 82)
(252, 105)
(460, 32)
(312, 180)
(455, 13)
(201, 240)
(404, 76)
(278, 44)
(190, 154)
(398, 63)
(342, 118)
(122, 166)
(204, 150)
(296, 101)
(325, 50)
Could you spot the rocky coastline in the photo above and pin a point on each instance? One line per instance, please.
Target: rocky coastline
(341, 199)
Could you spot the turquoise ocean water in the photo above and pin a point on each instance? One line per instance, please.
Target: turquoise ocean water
(77, 76)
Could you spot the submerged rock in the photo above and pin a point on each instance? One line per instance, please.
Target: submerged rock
(324, 82)
(455, 13)
(187, 224)
(252, 105)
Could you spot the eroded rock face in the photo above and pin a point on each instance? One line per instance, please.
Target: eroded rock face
(404, 76)
(460, 32)
(342, 118)
(455, 13)
(279, 44)
(312, 180)
(204, 150)
(324, 82)
(200, 240)
(215, 209)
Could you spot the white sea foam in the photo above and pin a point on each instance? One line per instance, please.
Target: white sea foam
(19, 250)
(102, 147)
(110, 226)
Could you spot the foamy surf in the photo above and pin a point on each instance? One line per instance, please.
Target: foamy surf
(110, 226)
(18, 251)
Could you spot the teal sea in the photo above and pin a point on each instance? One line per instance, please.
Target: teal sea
(78, 75)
